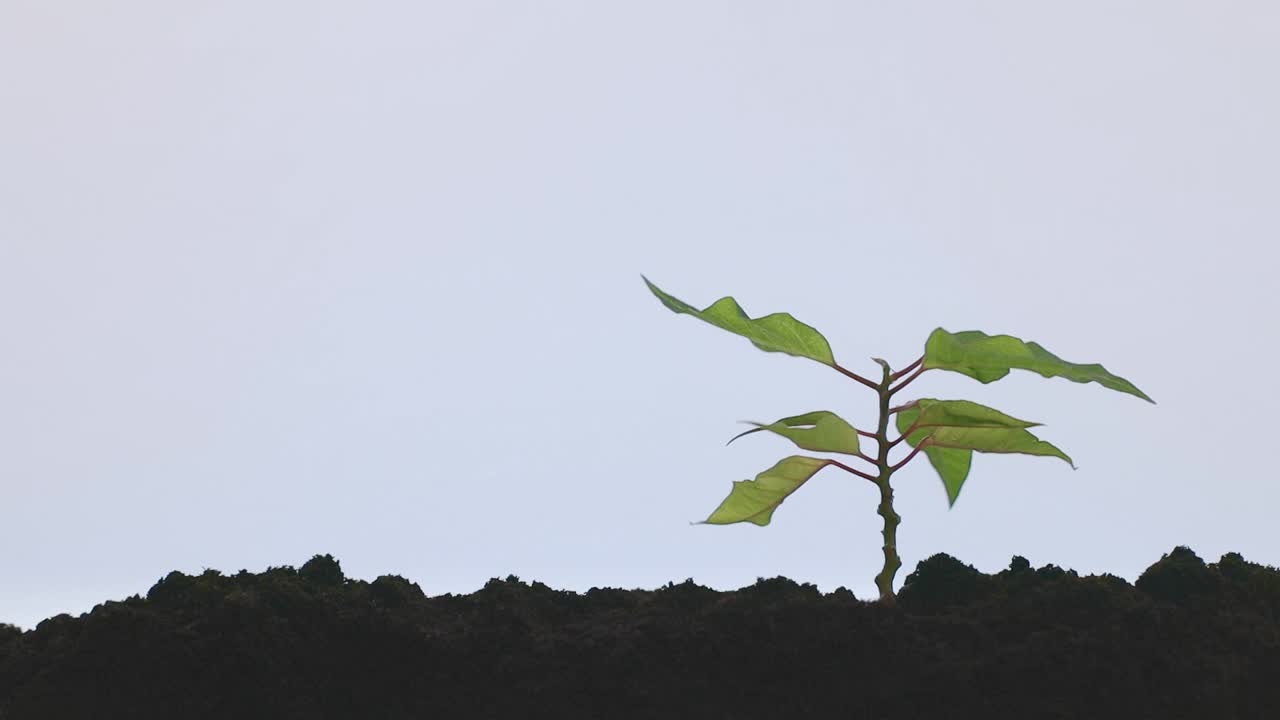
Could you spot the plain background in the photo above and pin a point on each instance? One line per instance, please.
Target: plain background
(288, 278)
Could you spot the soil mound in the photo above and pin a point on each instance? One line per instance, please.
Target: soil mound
(1186, 640)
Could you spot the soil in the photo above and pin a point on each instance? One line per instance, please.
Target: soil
(1187, 640)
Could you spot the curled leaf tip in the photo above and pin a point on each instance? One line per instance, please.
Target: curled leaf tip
(758, 428)
(821, 431)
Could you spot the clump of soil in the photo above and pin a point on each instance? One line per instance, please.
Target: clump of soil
(1187, 640)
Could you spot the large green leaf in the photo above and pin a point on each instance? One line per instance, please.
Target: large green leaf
(952, 465)
(952, 430)
(778, 332)
(987, 358)
(820, 431)
(755, 500)
(963, 413)
(993, 440)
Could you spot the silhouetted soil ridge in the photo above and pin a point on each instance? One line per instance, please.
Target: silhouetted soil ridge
(1187, 640)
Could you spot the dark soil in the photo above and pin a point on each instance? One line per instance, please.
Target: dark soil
(1188, 640)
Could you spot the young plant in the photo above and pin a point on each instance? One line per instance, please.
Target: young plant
(947, 431)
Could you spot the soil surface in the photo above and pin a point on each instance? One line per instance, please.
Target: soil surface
(1187, 640)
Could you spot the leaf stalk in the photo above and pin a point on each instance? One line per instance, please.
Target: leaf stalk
(910, 455)
(851, 374)
(855, 471)
(905, 435)
(906, 382)
(907, 369)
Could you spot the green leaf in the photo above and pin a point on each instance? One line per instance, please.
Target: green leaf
(993, 440)
(952, 430)
(778, 332)
(952, 465)
(962, 413)
(755, 500)
(987, 358)
(820, 431)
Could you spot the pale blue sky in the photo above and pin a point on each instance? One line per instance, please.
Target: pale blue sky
(279, 279)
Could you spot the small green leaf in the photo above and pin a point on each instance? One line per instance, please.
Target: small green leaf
(820, 431)
(987, 358)
(952, 465)
(755, 500)
(779, 332)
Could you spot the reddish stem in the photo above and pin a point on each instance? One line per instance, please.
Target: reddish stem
(905, 435)
(846, 468)
(900, 408)
(856, 376)
(906, 369)
(906, 382)
(912, 454)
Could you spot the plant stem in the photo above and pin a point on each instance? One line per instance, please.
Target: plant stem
(907, 382)
(910, 455)
(905, 435)
(849, 373)
(855, 471)
(884, 581)
(907, 369)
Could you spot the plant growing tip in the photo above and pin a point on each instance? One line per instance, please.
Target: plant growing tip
(948, 432)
